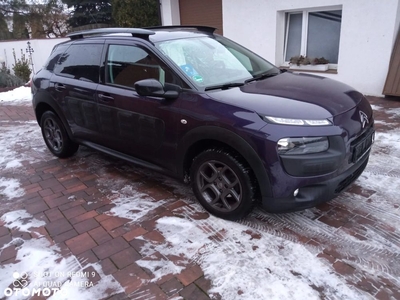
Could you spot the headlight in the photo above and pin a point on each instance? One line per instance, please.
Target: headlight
(303, 145)
(299, 122)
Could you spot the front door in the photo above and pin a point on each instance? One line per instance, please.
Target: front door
(143, 127)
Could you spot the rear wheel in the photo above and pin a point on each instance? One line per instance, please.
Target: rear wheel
(56, 137)
(222, 184)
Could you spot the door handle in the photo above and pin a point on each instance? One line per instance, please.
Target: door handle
(106, 98)
(59, 87)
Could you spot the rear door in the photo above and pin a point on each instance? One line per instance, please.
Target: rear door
(75, 79)
(144, 127)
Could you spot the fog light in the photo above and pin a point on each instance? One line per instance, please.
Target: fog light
(295, 192)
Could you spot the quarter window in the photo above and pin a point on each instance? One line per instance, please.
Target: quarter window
(81, 62)
(314, 34)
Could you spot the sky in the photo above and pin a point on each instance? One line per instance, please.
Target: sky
(243, 260)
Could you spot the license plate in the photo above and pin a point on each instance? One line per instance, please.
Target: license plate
(363, 146)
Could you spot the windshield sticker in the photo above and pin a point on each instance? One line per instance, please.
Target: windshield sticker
(197, 78)
(189, 70)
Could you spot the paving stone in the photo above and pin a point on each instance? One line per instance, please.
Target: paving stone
(80, 243)
(129, 236)
(108, 266)
(8, 253)
(65, 236)
(113, 222)
(54, 214)
(329, 258)
(3, 231)
(15, 233)
(36, 207)
(49, 183)
(125, 257)
(45, 192)
(110, 247)
(5, 239)
(74, 189)
(100, 218)
(58, 226)
(192, 292)
(172, 286)
(83, 217)
(100, 235)
(86, 225)
(131, 278)
(74, 211)
(72, 202)
(149, 291)
(154, 236)
(343, 268)
(56, 201)
(190, 274)
(87, 257)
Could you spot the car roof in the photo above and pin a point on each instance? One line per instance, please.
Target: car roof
(154, 34)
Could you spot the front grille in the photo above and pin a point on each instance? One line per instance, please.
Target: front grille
(361, 145)
(349, 179)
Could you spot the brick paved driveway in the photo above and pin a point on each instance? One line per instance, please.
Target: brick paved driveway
(357, 235)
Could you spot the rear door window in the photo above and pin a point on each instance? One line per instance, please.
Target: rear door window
(80, 61)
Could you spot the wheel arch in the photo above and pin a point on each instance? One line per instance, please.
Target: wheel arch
(202, 138)
(44, 106)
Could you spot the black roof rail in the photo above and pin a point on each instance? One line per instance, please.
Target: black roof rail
(207, 29)
(136, 32)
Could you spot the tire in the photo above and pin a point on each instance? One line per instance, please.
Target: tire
(222, 184)
(56, 137)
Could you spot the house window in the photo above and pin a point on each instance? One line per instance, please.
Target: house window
(313, 33)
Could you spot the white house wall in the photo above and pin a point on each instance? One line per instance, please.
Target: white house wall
(41, 47)
(368, 31)
(170, 12)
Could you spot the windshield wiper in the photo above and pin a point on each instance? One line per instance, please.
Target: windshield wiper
(261, 76)
(224, 86)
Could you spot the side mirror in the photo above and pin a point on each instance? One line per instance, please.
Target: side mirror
(154, 88)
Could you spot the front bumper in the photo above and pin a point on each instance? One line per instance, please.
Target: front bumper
(311, 195)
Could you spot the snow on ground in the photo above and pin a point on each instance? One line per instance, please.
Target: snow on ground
(18, 95)
(10, 188)
(239, 265)
(20, 142)
(41, 265)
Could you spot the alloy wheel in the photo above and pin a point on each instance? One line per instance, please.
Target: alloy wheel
(219, 186)
(53, 134)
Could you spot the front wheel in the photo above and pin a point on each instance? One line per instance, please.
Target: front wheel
(222, 184)
(56, 137)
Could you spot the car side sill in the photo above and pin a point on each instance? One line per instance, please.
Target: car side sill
(126, 157)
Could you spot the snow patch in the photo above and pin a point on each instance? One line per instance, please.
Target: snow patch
(21, 94)
(18, 143)
(21, 220)
(10, 188)
(40, 264)
(240, 266)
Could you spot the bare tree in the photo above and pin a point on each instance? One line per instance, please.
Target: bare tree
(34, 18)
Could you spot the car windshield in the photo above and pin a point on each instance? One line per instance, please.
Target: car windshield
(215, 61)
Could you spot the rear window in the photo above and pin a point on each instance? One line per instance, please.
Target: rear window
(80, 61)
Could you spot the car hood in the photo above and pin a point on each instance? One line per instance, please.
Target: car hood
(292, 95)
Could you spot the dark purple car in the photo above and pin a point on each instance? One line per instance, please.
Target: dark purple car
(197, 106)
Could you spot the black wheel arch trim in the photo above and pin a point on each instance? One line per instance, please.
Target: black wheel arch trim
(57, 111)
(234, 141)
